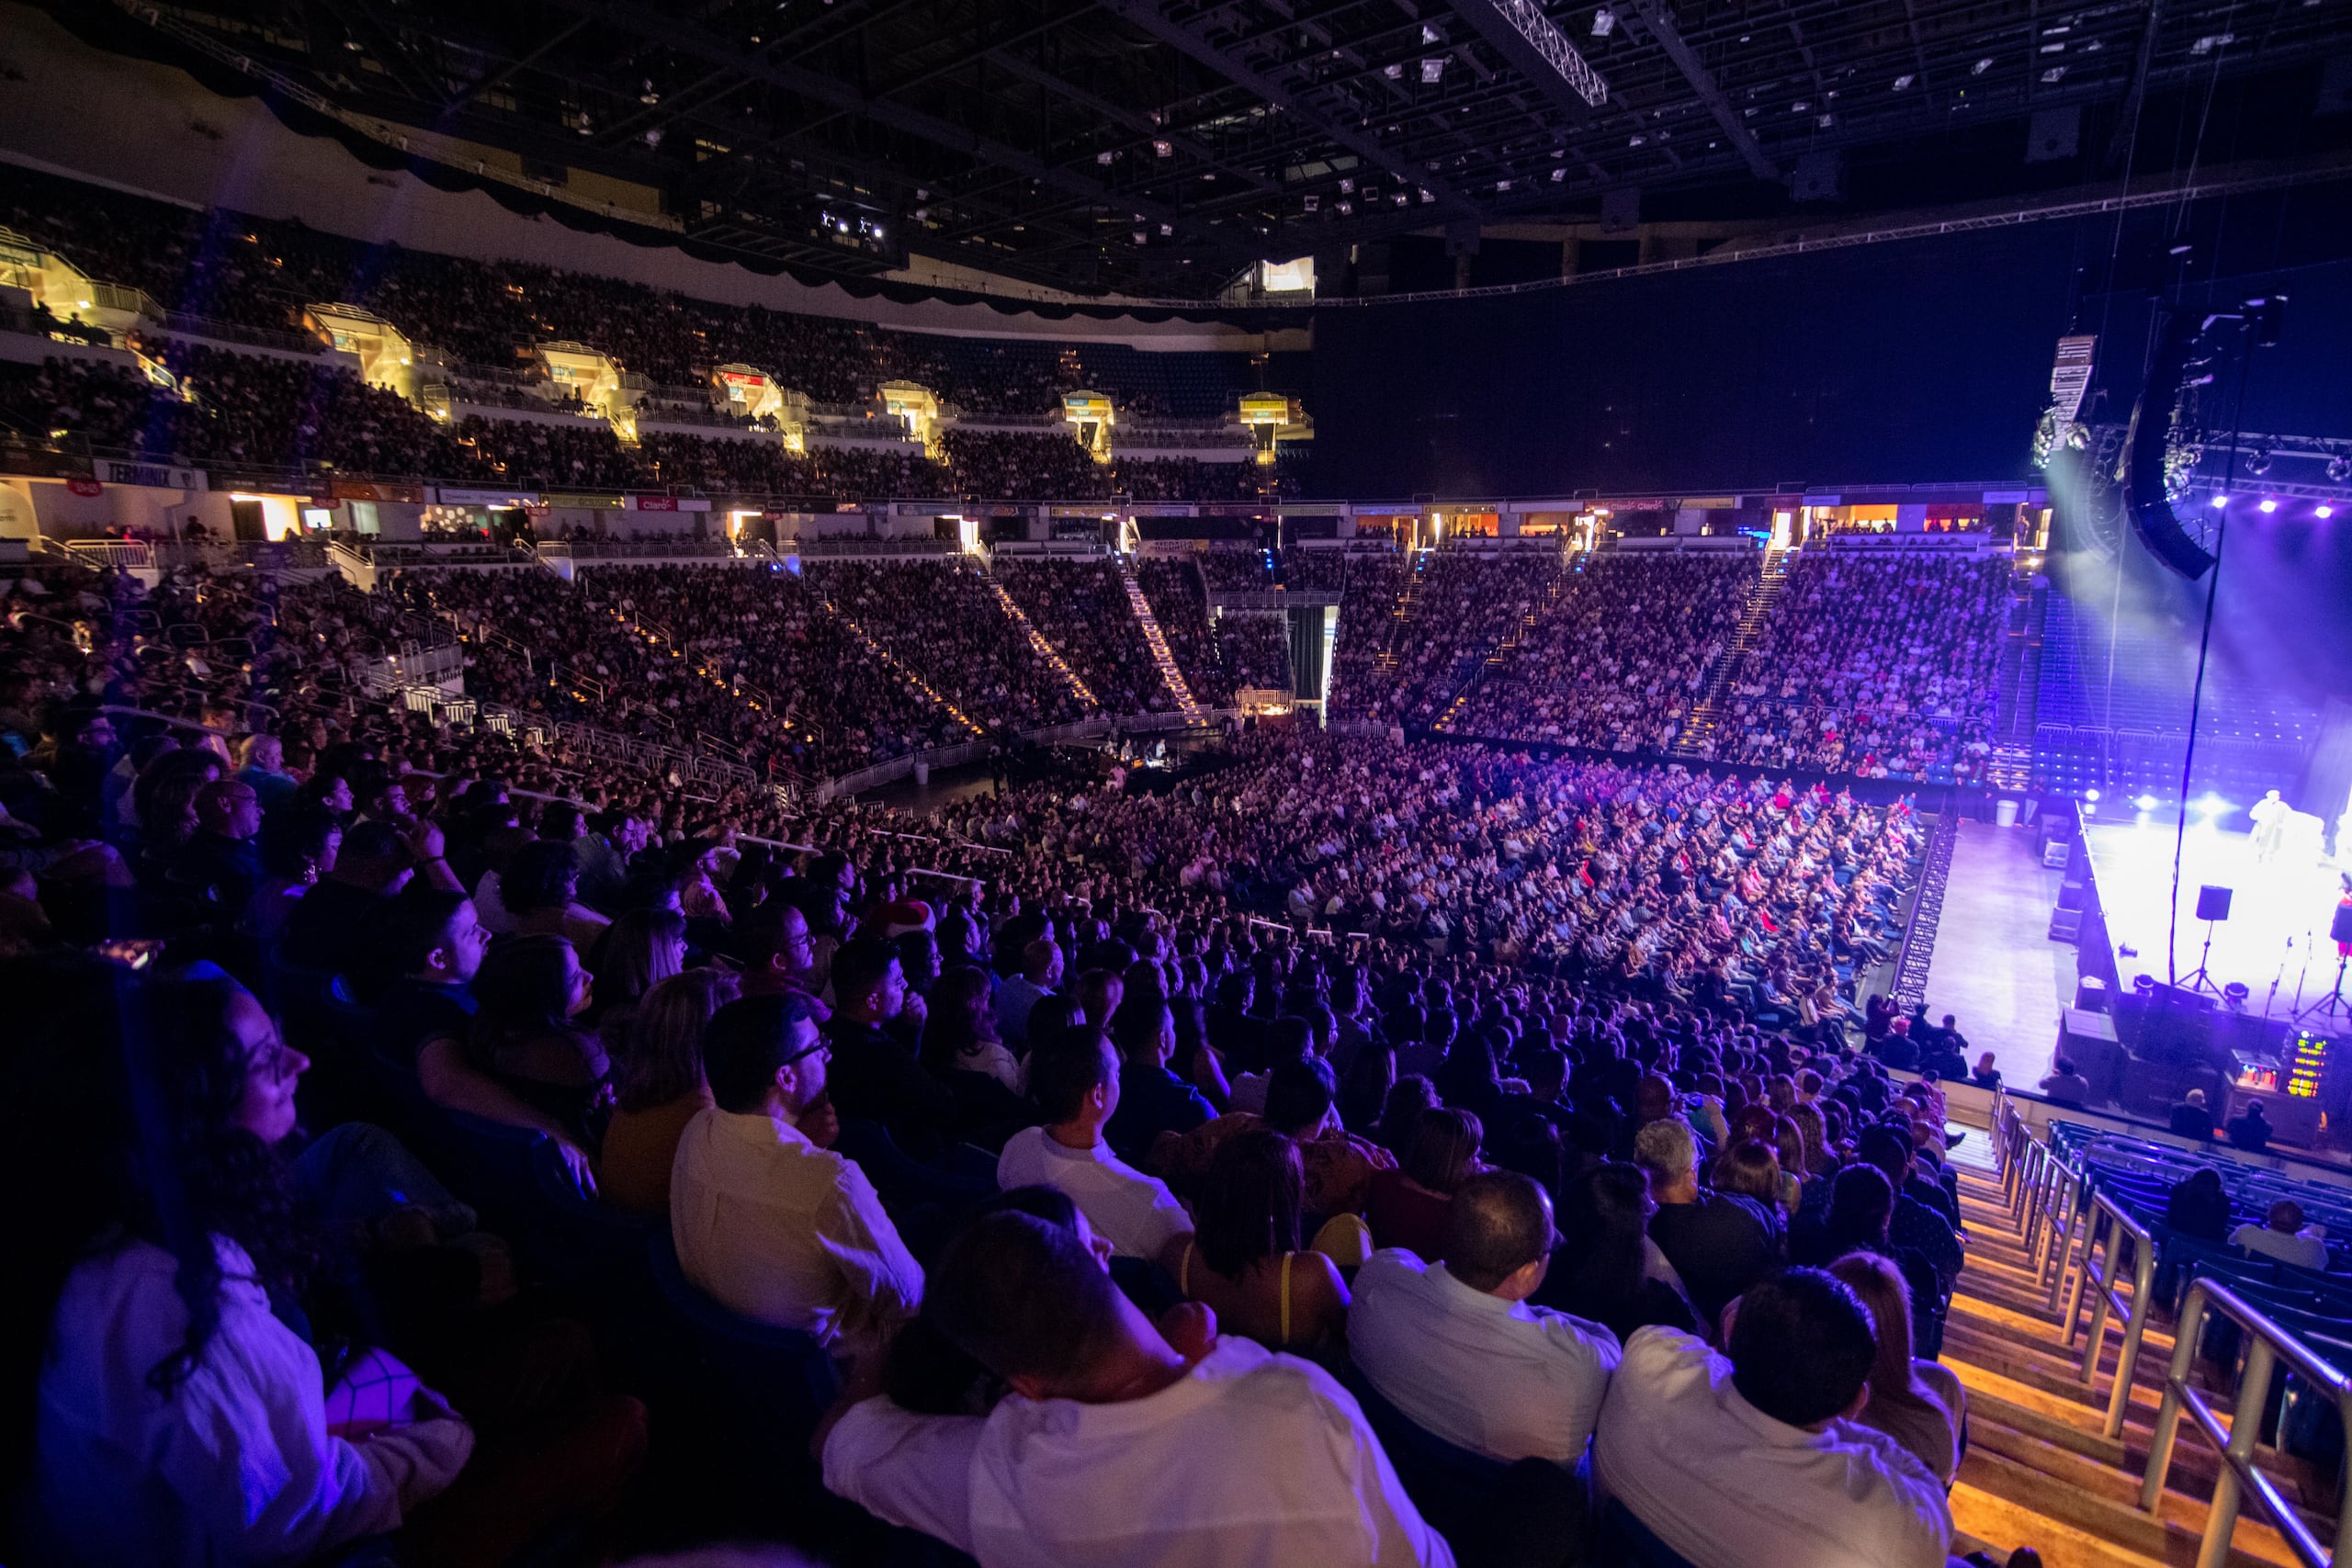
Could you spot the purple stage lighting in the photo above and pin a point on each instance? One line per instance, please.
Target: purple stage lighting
(2220, 501)
(2323, 510)
(2270, 505)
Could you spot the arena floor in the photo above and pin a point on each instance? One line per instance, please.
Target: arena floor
(1995, 966)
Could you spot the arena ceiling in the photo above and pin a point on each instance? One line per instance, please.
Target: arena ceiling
(1157, 147)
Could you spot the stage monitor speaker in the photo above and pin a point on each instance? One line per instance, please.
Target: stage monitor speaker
(2340, 928)
(2212, 903)
(2143, 465)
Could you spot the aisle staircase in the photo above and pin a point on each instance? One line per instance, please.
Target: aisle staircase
(1697, 734)
(2040, 1470)
(1038, 640)
(1471, 669)
(1156, 640)
(1401, 617)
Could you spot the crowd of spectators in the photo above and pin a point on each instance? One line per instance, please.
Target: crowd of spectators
(1463, 604)
(1080, 606)
(238, 268)
(1619, 657)
(1254, 651)
(1296, 1160)
(1564, 1082)
(249, 410)
(233, 410)
(1881, 667)
(943, 621)
(1371, 588)
(1173, 589)
(1237, 570)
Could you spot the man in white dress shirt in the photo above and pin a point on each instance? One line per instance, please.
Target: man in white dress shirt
(1756, 1462)
(765, 1220)
(1115, 1448)
(1075, 1081)
(1456, 1346)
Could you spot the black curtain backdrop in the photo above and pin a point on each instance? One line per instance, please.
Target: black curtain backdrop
(1919, 360)
(1922, 359)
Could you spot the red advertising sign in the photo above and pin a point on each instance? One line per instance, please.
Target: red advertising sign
(85, 486)
(653, 502)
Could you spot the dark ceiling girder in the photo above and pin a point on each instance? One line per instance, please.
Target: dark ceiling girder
(1037, 75)
(686, 39)
(1660, 22)
(497, 79)
(949, 67)
(1504, 39)
(1146, 14)
(385, 47)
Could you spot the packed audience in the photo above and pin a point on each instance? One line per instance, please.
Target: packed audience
(1080, 606)
(234, 410)
(1146, 1182)
(1254, 651)
(1875, 666)
(1173, 589)
(236, 268)
(1617, 660)
(945, 622)
(1463, 604)
(747, 656)
(1371, 588)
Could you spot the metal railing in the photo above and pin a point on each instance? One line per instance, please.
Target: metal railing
(2107, 1223)
(129, 554)
(2266, 1345)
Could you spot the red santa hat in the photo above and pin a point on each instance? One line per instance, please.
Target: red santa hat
(905, 915)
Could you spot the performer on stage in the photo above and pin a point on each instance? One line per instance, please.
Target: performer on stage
(2270, 814)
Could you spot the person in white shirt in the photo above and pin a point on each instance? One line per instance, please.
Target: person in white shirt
(767, 1219)
(1756, 1461)
(1041, 971)
(1075, 1081)
(2282, 1237)
(176, 1421)
(1456, 1346)
(1115, 1447)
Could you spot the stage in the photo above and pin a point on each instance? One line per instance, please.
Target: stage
(2274, 941)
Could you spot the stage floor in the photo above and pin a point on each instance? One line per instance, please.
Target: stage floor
(2277, 932)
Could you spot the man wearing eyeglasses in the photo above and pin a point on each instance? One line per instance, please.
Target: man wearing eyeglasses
(766, 1221)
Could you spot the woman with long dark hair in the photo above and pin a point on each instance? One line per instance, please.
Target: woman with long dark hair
(1246, 1260)
(165, 1415)
(1608, 1272)
(1918, 1403)
(527, 993)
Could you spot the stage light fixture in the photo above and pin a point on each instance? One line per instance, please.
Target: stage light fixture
(2339, 469)
(2091, 795)
(2211, 805)
(2147, 803)
(2220, 501)
(2268, 504)
(2323, 510)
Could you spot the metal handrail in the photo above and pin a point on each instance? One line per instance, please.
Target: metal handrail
(2268, 1344)
(2119, 1228)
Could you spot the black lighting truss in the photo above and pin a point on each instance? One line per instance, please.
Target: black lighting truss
(1155, 147)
